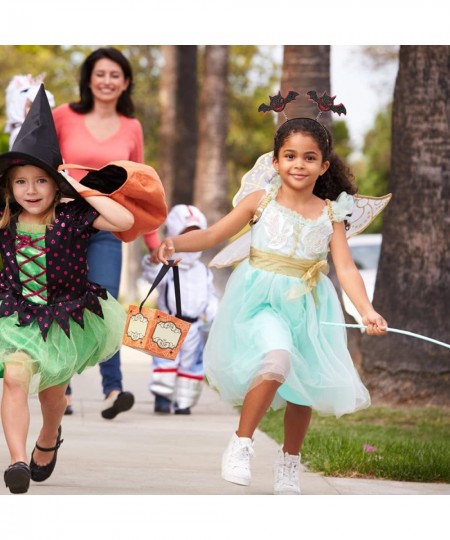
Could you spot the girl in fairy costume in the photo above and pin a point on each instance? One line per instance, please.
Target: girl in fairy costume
(267, 346)
(53, 321)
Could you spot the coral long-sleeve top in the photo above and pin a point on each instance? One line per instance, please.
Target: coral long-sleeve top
(79, 146)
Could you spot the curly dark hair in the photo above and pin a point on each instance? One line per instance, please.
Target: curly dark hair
(338, 177)
(125, 104)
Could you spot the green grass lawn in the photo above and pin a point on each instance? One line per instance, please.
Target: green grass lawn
(395, 443)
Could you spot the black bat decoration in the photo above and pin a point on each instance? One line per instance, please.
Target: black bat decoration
(278, 102)
(326, 103)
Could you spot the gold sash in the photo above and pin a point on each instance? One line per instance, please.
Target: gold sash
(308, 270)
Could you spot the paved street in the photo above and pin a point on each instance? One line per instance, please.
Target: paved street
(142, 453)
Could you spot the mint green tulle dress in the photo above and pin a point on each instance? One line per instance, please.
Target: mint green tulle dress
(53, 321)
(268, 323)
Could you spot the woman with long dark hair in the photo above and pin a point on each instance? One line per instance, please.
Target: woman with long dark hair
(94, 131)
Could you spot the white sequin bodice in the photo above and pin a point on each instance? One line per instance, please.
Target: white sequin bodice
(286, 232)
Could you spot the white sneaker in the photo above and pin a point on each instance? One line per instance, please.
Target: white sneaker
(236, 460)
(286, 474)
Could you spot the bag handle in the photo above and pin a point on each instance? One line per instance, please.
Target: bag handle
(176, 281)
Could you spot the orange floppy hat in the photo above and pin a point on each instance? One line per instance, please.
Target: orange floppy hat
(135, 186)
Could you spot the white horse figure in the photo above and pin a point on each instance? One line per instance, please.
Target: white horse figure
(20, 93)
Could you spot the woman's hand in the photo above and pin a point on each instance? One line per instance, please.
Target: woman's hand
(376, 325)
(165, 251)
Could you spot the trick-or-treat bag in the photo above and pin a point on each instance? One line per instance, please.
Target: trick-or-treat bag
(153, 331)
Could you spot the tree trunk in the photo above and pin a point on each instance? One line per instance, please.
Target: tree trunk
(211, 187)
(186, 126)
(413, 282)
(211, 182)
(178, 131)
(305, 67)
(167, 130)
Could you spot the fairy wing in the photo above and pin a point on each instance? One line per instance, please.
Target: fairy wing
(365, 210)
(260, 176)
(233, 253)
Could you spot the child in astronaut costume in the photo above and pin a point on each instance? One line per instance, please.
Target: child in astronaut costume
(177, 385)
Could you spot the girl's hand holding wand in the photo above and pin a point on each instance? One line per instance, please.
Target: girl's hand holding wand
(376, 325)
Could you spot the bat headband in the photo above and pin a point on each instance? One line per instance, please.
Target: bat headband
(278, 103)
(325, 103)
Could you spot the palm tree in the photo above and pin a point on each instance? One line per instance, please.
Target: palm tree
(167, 98)
(186, 126)
(211, 182)
(178, 131)
(413, 282)
(211, 186)
(305, 67)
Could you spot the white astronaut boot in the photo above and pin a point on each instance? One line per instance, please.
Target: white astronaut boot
(186, 394)
(162, 387)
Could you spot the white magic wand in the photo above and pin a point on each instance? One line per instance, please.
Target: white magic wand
(395, 330)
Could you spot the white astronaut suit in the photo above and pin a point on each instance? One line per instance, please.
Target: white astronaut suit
(177, 384)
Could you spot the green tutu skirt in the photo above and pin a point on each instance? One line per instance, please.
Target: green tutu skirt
(40, 364)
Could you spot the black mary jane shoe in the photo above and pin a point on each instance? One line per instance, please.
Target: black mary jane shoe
(17, 477)
(39, 473)
(69, 410)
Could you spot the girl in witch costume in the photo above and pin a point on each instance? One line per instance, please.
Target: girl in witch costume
(266, 347)
(53, 321)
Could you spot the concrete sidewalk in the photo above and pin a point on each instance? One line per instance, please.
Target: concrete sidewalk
(142, 453)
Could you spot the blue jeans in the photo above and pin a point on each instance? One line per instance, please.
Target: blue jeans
(105, 264)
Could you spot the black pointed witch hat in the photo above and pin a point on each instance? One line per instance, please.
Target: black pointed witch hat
(37, 144)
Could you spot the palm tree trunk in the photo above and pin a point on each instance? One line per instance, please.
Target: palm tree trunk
(211, 186)
(178, 131)
(211, 182)
(413, 282)
(305, 67)
(167, 131)
(186, 126)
